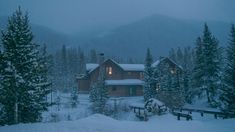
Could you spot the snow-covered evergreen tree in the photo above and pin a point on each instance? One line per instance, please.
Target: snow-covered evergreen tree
(98, 91)
(206, 73)
(186, 61)
(82, 63)
(211, 65)
(172, 54)
(64, 69)
(74, 98)
(9, 93)
(98, 96)
(228, 95)
(58, 101)
(180, 56)
(149, 83)
(23, 81)
(169, 83)
(198, 71)
(93, 56)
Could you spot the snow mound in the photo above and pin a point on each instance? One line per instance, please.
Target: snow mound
(101, 123)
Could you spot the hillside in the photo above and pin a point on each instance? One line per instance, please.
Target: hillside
(53, 39)
(160, 33)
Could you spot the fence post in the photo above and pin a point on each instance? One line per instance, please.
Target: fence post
(215, 116)
(201, 114)
(178, 116)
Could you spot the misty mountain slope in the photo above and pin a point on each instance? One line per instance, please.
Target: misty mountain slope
(160, 33)
(53, 39)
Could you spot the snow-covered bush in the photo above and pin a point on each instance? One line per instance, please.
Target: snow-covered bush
(154, 106)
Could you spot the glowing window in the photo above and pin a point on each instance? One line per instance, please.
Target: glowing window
(109, 70)
(173, 71)
(158, 87)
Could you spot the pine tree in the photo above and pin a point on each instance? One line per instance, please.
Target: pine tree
(212, 65)
(23, 85)
(93, 56)
(187, 71)
(99, 92)
(64, 69)
(98, 96)
(149, 88)
(169, 84)
(179, 57)
(82, 64)
(73, 67)
(198, 70)
(206, 73)
(41, 79)
(74, 98)
(58, 101)
(172, 55)
(9, 93)
(228, 95)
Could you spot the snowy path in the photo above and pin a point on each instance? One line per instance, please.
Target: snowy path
(100, 123)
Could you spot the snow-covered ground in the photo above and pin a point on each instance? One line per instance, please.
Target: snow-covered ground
(101, 123)
(81, 119)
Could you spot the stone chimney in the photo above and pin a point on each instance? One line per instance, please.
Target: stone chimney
(101, 58)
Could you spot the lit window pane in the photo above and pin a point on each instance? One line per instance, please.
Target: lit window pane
(109, 70)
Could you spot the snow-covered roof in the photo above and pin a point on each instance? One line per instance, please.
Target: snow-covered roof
(156, 63)
(91, 66)
(124, 82)
(126, 67)
(132, 67)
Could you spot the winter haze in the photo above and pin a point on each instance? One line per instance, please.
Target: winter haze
(117, 65)
(75, 15)
(99, 24)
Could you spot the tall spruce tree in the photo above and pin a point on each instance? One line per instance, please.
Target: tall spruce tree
(172, 55)
(93, 56)
(64, 69)
(169, 83)
(179, 57)
(207, 67)
(149, 88)
(198, 71)
(74, 97)
(24, 88)
(211, 65)
(228, 95)
(82, 63)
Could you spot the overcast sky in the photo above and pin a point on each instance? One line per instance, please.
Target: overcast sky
(73, 15)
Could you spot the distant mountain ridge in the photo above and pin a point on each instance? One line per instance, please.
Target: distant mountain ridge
(44, 35)
(159, 33)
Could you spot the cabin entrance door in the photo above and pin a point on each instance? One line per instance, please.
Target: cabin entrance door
(132, 91)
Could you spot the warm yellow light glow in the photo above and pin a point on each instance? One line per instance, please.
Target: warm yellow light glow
(172, 71)
(110, 72)
(157, 87)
